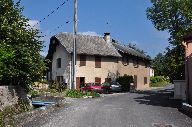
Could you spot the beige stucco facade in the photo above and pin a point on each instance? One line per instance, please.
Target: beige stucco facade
(108, 68)
(141, 71)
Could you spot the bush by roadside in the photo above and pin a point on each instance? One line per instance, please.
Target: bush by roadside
(158, 81)
(79, 94)
(125, 82)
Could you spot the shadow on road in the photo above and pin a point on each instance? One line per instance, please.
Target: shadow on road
(162, 98)
(158, 98)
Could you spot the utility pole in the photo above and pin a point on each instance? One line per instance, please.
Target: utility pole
(74, 45)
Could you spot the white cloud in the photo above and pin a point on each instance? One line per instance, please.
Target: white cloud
(34, 24)
(43, 53)
(92, 33)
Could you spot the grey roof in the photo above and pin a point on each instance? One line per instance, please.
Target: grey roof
(86, 44)
(128, 50)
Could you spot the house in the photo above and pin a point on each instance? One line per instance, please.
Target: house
(152, 72)
(187, 43)
(98, 60)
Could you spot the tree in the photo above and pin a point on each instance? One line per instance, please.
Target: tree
(20, 62)
(158, 65)
(174, 16)
(133, 46)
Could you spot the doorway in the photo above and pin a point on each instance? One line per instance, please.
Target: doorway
(80, 81)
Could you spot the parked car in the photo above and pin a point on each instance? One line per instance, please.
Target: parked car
(111, 87)
(93, 87)
(115, 87)
(106, 86)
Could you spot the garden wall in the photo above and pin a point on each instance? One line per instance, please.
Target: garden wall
(9, 95)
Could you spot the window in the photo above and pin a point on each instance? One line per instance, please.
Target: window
(58, 62)
(82, 60)
(125, 61)
(145, 80)
(136, 63)
(97, 61)
(97, 80)
(107, 79)
(116, 60)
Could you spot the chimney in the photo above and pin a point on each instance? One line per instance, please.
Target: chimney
(107, 37)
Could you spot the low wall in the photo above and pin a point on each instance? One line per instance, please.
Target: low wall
(179, 89)
(9, 95)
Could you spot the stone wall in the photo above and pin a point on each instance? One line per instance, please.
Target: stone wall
(9, 95)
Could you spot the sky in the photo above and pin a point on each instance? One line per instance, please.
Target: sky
(125, 20)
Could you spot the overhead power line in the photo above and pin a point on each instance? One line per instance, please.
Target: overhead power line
(52, 12)
(56, 28)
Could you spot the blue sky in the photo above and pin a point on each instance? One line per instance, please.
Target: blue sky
(127, 21)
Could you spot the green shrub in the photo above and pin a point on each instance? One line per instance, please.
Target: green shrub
(74, 93)
(80, 94)
(44, 81)
(92, 93)
(52, 85)
(33, 92)
(125, 82)
(158, 81)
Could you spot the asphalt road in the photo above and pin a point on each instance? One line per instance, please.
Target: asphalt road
(144, 109)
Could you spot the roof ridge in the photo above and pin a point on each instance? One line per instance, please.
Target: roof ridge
(133, 50)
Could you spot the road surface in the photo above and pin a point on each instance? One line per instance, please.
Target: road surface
(143, 109)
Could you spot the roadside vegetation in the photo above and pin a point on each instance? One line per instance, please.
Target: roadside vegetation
(7, 114)
(51, 89)
(125, 82)
(158, 81)
(81, 94)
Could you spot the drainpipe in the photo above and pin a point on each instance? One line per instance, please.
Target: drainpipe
(70, 72)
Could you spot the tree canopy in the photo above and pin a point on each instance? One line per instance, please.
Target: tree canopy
(175, 17)
(20, 46)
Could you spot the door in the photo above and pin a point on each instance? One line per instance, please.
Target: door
(78, 83)
(135, 81)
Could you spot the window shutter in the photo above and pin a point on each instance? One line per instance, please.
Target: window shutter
(145, 80)
(135, 81)
(97, 61)
(82, 60)
(107, 79)
(98, 80)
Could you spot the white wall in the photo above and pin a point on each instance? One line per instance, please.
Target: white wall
(151, 72)
(65, 64)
